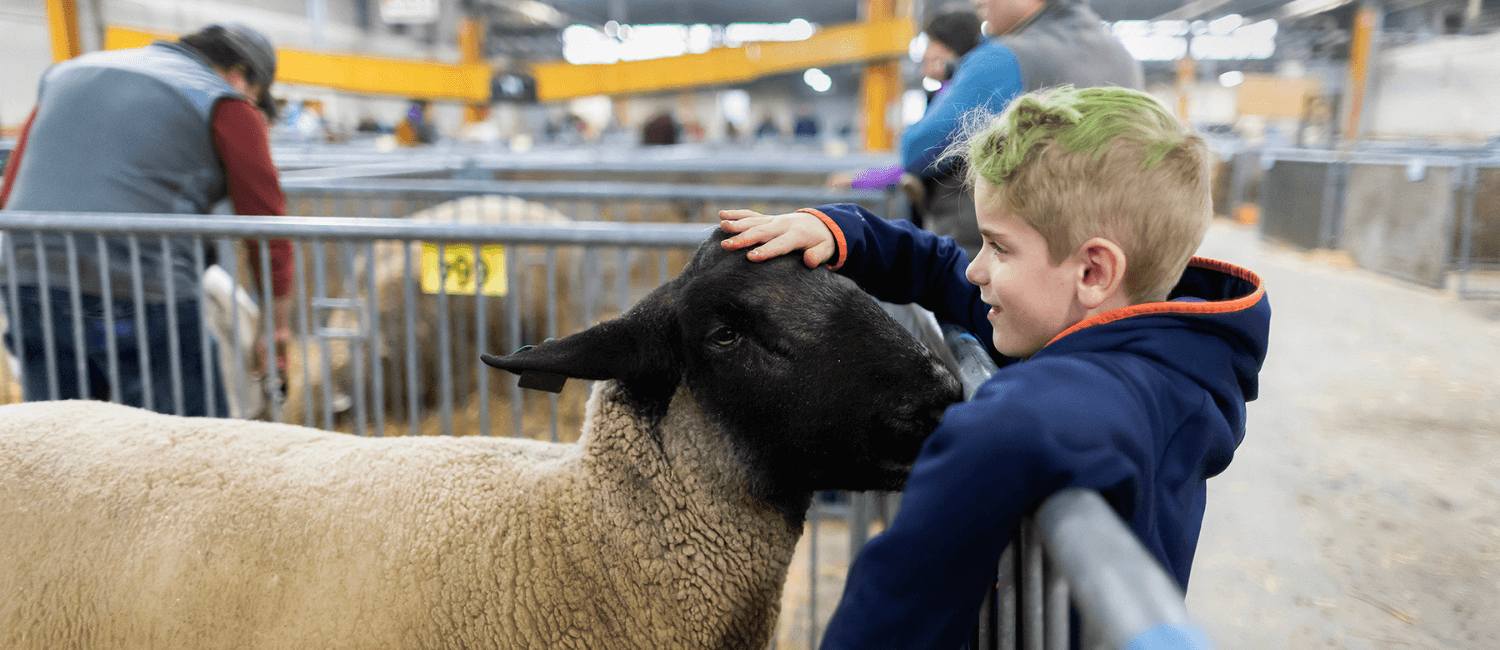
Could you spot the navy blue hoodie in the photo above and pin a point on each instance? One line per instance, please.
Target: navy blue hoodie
(1142, 403)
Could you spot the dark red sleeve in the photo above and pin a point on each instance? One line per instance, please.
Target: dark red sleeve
(244, 146)
(14, 162)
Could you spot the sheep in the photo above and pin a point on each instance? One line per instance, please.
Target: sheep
(724, 399)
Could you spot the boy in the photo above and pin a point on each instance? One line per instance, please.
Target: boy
(1126, 366)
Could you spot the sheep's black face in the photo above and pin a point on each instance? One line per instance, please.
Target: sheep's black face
(817, 385)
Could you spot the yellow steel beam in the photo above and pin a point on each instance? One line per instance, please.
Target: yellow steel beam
(871, 40)
(471, 47)
(62, 19)
(882, 82)
(1359, 68)
(468, 82)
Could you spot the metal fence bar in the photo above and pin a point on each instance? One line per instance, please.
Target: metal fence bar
(299, 277)
(377, 344)
(75, 299)
(205, 344)
(445, 353)
(111, 348)
(409, 293)
(45, 298)
(481, 322)
(320, 296)
(594, 192)
(17, 341)
(552, 325)
(1116, 584)
(174, 352)
(270, 382)
(143, 351)
(347, 228)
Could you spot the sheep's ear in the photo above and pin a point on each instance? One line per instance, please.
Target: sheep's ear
(636, 349)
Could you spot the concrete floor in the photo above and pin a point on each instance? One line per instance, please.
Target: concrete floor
(1361, 511)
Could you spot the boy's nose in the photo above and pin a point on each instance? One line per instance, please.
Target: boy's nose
(973, 272)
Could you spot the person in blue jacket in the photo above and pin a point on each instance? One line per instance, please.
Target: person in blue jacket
(1125, 361)
(1031, 45)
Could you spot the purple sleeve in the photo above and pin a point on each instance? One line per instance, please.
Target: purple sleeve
(877, 179)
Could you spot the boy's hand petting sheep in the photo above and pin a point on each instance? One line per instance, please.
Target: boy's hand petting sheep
(778, 234)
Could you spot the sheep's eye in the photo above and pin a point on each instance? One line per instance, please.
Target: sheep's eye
(723, 337)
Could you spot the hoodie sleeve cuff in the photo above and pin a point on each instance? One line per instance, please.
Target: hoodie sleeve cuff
(838, 237)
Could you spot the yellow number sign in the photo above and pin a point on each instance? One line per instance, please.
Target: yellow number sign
(463, 273)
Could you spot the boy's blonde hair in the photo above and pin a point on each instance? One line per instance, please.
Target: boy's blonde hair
(1099, 162)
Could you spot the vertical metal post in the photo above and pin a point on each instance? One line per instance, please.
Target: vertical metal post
(413, 403)
(513, 341)
(299, 274)
(17, 341)
(1361, 53)
(234, 378)
(174, 341)
(812, 575)
(1466, 236)
(1056, 608)
(143, 344)
(377, 343)
(445, 346)
(320, 294)
(1033, 605)
(860, 515)
(881, 84)
(481, 322)
(62, 22)
(551, 326)
(268, 326)
(44, 274)
(80, 353)
(1005, 598)
(111, 348)
(205, 344)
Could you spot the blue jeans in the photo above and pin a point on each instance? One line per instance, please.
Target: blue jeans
(95, 385)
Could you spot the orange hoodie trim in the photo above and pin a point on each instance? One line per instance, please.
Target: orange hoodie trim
(838, 236)
(1171, 307)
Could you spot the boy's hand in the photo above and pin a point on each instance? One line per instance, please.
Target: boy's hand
(778, 234)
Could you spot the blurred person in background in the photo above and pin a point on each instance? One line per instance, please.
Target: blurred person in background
(1031, 44)
(1028, 45)
(951, 34)
(172, 127)
(415, 128)
(661, 129)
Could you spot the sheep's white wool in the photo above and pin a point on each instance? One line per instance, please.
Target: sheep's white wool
(169, 532)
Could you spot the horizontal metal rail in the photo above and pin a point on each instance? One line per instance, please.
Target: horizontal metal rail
(574, 190)
(353, 161)
(359, 229)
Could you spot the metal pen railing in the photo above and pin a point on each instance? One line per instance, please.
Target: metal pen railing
(368, 355)
(1414, 213)
(590, 201)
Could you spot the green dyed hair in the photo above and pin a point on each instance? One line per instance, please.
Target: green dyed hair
(1076, 163)
(1080, 120)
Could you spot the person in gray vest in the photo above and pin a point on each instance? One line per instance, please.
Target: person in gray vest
(173, 127)
(1032, 44)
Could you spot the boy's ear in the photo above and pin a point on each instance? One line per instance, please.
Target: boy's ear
(1102, 272)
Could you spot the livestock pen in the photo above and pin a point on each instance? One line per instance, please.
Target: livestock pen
(348, 244)
(1423, 214)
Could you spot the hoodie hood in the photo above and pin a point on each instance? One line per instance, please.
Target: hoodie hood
(1212, 329)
